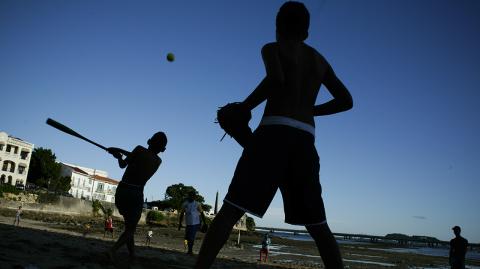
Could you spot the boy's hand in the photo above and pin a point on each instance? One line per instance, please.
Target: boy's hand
(115, 152)
(234, 118)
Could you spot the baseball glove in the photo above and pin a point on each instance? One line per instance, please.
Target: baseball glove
(233, 119)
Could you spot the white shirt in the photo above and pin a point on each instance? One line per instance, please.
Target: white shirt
(192, 216)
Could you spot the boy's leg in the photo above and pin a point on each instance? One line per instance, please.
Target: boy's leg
(191, 239)
(327, 245)
(127, 237)
(217, 235)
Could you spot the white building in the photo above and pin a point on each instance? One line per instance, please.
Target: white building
(15, 157)
(90, 184)
(104, 188)
(80, 181)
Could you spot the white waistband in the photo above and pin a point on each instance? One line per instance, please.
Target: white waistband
(281, 120)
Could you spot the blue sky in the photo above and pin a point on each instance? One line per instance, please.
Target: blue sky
(404, 159)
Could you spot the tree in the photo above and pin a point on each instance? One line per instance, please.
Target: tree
(176, 194)
(46, 172)
(250, 223)
(206, 207)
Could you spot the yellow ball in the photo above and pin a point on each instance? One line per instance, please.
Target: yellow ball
(170, 57)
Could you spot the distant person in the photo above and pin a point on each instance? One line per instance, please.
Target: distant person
(281, 153)
(140, 165)
(108, 226)
(87, 228)
(458, 250)
(192, 211)
(18, 214)
(148, 238)
(266, 241)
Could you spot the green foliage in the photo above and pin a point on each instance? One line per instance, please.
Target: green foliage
(46, 198)
(206, 207)
(154, 216)
(250, 223)
(161, 204)
(109, 212)
(7, 188)
(45, 172)
(176, 194)
(96, 207)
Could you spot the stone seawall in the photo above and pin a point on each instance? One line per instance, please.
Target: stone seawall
(65, 205)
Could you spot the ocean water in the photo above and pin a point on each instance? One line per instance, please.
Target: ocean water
(438, 252)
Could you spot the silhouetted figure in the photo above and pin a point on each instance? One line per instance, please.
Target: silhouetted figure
(192, 211)
(140, 165)
(18, 215)
(108, 226)
(458, 250)
(148, 238)
(265, 247)
(281, 153)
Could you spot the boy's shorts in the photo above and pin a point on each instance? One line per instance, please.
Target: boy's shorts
(279, 157)
(129, 202)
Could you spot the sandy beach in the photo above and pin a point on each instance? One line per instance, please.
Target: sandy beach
(58, 241)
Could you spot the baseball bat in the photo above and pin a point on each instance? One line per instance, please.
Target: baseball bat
(65, 129)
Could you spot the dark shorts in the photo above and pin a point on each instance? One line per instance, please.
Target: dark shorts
(109, 230)
(191, 231)
(129, 202)
(279, 157)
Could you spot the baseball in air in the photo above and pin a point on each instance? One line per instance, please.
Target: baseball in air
(170, 57)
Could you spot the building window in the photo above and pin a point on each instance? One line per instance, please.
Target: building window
(3, 179)
(9, 148)
(24, 155)
(21, 169)
(10, 180)
(100, 187)
(5, 165)
(1, 146)
(15, 150)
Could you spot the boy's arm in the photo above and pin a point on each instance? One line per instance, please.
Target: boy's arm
(342, 100)
(257, 96)
(181, 219)
(273, 79)
(202, 215)
(118, 154)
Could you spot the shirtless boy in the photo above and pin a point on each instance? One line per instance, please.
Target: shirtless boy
(140, 165)
(281, 153)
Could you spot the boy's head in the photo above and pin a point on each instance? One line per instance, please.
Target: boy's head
(293, 20)
(191, 196)
(158, 142)
(457, 230)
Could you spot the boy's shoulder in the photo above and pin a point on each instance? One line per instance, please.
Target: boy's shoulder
(274, 46)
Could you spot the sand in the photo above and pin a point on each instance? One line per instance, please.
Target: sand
(45, 241)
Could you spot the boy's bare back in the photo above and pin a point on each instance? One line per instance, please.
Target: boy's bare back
(299, 69)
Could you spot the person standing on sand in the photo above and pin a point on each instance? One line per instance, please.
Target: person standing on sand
(458, 250)
(265, 246)
(17, 216)
(140, 165)
(192, 211)
(148, 238)
(108, 226)
(281, 153)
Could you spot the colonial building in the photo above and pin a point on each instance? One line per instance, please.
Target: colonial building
(15, 157)
(104, 188)
(80, 181)
(90, 184)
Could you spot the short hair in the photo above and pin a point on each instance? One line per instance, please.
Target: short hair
(158, 138)
(293, 21)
